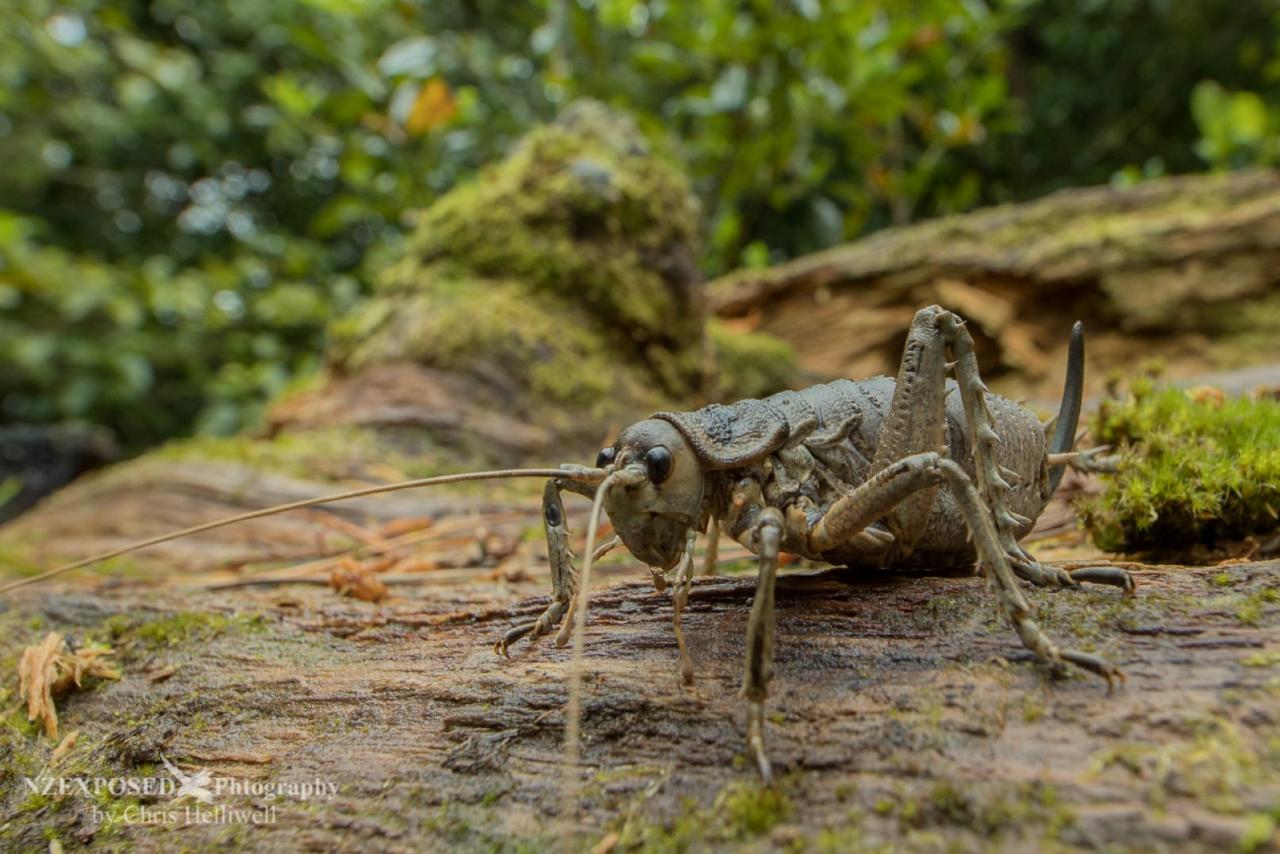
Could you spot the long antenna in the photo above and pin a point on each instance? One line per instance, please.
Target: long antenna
(577, 618)
(573, 710)
(574, 473)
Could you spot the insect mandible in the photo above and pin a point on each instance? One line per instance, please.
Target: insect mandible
(919, 471)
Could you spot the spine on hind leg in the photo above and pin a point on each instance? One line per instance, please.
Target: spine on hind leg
(1064, 434)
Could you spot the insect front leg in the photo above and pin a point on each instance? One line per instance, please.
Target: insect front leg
(765, 540)
(760, 528)
(679, 599)
(564, 578)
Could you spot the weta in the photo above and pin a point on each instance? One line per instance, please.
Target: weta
(921, 471)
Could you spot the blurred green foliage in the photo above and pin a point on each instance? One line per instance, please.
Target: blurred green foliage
(201, 187)
(192, 191)
(1236, 128)
(1103, 89)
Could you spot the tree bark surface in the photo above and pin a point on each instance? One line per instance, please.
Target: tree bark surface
(903, 712)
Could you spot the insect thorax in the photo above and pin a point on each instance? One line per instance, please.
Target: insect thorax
(808, 449)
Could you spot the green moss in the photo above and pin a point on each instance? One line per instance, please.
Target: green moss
(17, 557)
(837, 840)
(177, 629)
(583, 209)
(950, 803)
(1189, 472)
(752, 810)
(36, 817)
(1249, 612)
(1259, 832)
(568, 266)
(464, 828)
(20, 550)
(311, 455)
(740, 812)
(1218, 765)
(750, 364)
(996, 812)
(551, 350)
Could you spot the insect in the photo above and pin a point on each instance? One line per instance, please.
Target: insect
(913, 472)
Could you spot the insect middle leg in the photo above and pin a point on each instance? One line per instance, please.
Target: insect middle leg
(874, 499)
(895, 484)
(765, 540)
(564, 579)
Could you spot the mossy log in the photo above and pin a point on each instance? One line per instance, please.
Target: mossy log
(1186, 269)
(904, 713)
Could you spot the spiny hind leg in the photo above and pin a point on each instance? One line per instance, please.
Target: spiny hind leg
(1029, 569)
(993, 560)
(915, 423)
(993, 484)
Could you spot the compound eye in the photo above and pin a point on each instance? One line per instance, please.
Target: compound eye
(658, 461)
(605, 457)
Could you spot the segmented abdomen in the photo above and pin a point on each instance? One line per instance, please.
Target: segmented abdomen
(850, 417)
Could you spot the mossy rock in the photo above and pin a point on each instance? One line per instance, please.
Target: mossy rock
(1193, 469)
(566, 271)
(497, 330)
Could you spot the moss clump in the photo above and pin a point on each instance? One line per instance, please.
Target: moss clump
(562, 268)
(750, 364)
(559, 288)
(327, 454)
(741, 812)
(1190, 471)
(581, 209)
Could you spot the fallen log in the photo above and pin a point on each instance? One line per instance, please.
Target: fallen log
(1186, 269)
